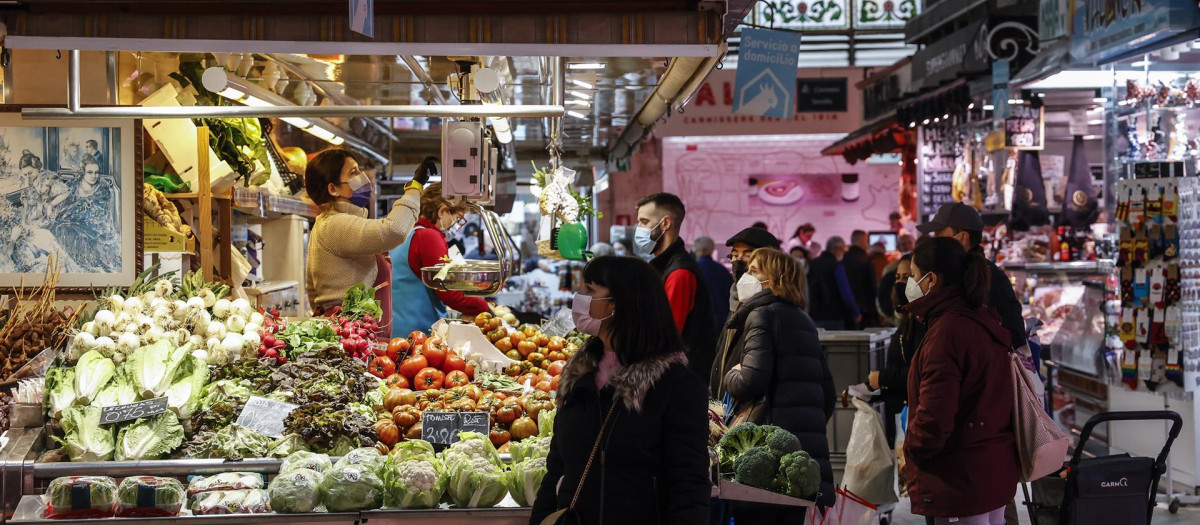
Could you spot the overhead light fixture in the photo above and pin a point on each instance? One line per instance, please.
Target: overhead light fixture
(1097, 121)
(581, 83)
(946, 116)
(925, 122)
(585, 65)
(912, 124)
(576, 114)
(1016, 101)
(219, 81)
(989, 107)
(579, 94)
(1141, 63)
(1099, 100)
(487, 84)
(971, 106)
(580, 102)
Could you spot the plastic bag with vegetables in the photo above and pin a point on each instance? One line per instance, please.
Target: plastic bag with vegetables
(297, 492)
(475, 477)
(349, 488)
(226, 481)
(81, 497)
(149, 496)
(524, 479)
(231, 502)
(305, 460)
(364, 456)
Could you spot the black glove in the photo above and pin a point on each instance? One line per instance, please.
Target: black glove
(428, 167)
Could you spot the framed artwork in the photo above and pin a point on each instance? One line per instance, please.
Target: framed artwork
(71, 189)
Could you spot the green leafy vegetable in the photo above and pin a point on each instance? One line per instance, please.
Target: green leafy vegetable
(92, 373)
(531, 448)
(183, 395)
(307, 336)
(152, 368)
(474, 475)
(298, 491)
(524, 479)
(286, 445)
(85, 439)
(351, 488)
(168, 496)
(233, 442)
(149, 438)
(305, 460)
(60, 390)
(102, 492)
(414, 479)
(119, 391)
(360, 301)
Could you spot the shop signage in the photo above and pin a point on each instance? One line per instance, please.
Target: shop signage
(820, 94)
(1105, 30)
(950, 58)
(994, 141)
(362, 17)
(1052, 19)
(881, 97)
(1001, 74)
(131, 411)
(442, 428)
(158, 239)
(265, 415)
(766, 66)
(1024, 129)
(936, 176)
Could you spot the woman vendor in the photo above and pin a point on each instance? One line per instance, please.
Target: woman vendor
(415, 306)
(345, 247)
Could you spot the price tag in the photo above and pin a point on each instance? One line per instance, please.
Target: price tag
(119, 413)
(442, 428)
(265, 415)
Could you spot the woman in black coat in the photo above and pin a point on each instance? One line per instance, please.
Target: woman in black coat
(892, 380)
(772, 351)
(653, 464)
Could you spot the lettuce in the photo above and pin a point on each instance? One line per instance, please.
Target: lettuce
(183, 396)
(233, 442)
(524, 479)
(350, 488)
(92, 373)
(149, 438)
(60, 391)
(85, 439)
(235, 391)
(286, 445)
(118, 392)
(153, 367)
(298, 491)
(529, 448)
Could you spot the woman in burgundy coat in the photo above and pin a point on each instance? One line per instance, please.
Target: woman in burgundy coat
(960, 449)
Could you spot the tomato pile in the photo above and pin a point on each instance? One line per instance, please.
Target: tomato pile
(420, 362)
(514, 417)
(539, 358)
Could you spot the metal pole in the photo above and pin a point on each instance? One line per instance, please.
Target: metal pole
(113, 82)
(421, 74)
(73, 80)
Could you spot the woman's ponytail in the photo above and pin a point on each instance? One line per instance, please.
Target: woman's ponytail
(977, 278)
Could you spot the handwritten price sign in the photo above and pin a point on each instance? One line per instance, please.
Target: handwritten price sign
(119, 413)
(442, 428)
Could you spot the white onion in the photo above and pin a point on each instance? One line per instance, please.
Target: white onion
(116, 302)
(84, 341)
(200, 354)
(257, 318)
(241, 307)
(202, 319)
(104, 322)
(133, 305)
(153, 335)
(163, 312)
(209, 297)
(105, 346)
(181, 336)
(118, 357)
(250, 342)
(128, 342)
(123, 319)
(195, 302)
(196, 340)
(89, 327)
(232, 344)
(212, 345)
(179, 309)
(235, 323)
(252, 328)
(164, 287)
(149, 296)
(220, 308)
(215, 329)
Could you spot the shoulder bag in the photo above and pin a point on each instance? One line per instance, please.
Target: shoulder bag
(568, 516)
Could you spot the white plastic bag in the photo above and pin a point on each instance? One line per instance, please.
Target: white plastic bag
(870, 463)
(848, 509)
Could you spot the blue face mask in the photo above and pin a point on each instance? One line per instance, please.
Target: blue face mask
(362, 187)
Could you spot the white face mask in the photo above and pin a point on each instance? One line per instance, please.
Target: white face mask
(748, 286)
(912, 290)
(644, 242)
(581, 314)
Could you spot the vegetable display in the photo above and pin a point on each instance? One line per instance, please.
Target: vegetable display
(475, 475)
(81, 497)
(231, 502)
(768, 457)
(349, 488)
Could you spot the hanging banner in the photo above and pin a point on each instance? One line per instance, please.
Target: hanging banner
(1106, 31)
(766, 73)
(1052, 19)
(362, 17)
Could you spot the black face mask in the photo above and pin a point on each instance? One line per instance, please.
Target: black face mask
(739, 268)
(898, 295)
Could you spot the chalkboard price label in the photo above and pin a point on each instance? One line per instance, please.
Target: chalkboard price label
(265, 415)
(442, 428)
(119, 413)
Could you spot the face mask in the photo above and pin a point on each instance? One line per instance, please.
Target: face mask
(581, 313)
(748, 286)
(912, 290)
(453, 228)
(644, 242)
(739, 269)
(901, 297)
(620, 252)
(361, 185)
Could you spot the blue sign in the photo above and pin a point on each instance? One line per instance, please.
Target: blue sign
(1106, 31)
(362, 17)
(766, 73)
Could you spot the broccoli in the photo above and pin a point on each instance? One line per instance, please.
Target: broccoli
(737, 441)
(756, 467)
(781, 441)
(799, 475)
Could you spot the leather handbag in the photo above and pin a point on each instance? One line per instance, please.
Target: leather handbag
(568, 516)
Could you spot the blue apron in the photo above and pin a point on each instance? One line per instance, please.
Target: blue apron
(414, 305)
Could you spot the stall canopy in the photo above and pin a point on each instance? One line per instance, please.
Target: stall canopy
(886, 136)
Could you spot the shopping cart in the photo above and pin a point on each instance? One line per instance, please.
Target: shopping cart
(1110, 489)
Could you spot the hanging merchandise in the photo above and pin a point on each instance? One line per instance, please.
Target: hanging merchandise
(561, 233)
(1029, 200)
(1080, 209)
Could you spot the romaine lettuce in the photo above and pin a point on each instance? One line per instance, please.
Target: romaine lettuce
(85, 439)
(60, 390)
(153, 367)
(92, 373)
(150, 438)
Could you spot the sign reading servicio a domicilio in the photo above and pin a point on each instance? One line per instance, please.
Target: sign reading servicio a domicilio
(766, 72)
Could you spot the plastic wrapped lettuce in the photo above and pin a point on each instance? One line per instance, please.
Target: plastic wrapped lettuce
(296, 492)
(230, 502)
(305, 460)
(349, 488)
(149, 496)
(523, 480)
(475, 477)
(368, 457)
(414, 477)
(81, 497)
(226, 481)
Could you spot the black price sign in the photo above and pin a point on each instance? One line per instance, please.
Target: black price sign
(442, 428)
(119, 413)
(265, 415)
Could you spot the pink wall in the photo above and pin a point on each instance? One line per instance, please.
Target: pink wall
(627, 187)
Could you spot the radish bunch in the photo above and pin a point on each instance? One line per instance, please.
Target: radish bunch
(269, 346)
(357, 334)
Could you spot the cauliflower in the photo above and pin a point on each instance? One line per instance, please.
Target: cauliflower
(524, 479)
(420, 476)
(536, 447)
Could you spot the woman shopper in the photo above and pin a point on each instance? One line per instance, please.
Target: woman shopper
(346, 248)
(414, 305)
(771, 354)
(892, 380)
(631, 380)
(961, 456)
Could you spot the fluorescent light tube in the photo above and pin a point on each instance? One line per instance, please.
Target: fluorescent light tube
(581, 84)
(586, 65)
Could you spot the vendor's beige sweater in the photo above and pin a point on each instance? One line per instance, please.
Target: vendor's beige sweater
(344, 242)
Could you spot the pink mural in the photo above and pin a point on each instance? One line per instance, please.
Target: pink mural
(728, 183)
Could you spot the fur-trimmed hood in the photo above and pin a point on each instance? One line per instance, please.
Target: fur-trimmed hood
(631, 383)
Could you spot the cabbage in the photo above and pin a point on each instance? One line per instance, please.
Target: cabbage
(298, 491)
(92, 372)
(350, 488)
(150, 438)
(60, 390)
(183, 396)
(118, 392)
(305, 460)
(85, 439)
(153, 367)
(524, 479)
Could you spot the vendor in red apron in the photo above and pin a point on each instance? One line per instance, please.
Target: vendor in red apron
(414, 305)
(345, 247)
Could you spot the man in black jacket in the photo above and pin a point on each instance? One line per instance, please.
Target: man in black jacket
(660, 217)
(861, 275)
(830, 300)
(964, 223)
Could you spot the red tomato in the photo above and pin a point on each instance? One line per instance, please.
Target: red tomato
(397, 381)
(544, 386)
(457, 378)
(434, 353)
(396, 348)
(413, 365)
(554, 383)
(526, 348)
(429, 378)
(382, 367)
(417, 337)
(471, 371)
(453, 363)
(556, 368)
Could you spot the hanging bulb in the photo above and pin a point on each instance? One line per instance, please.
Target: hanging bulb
(244, 66)
(282, 84)
(270, 75)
